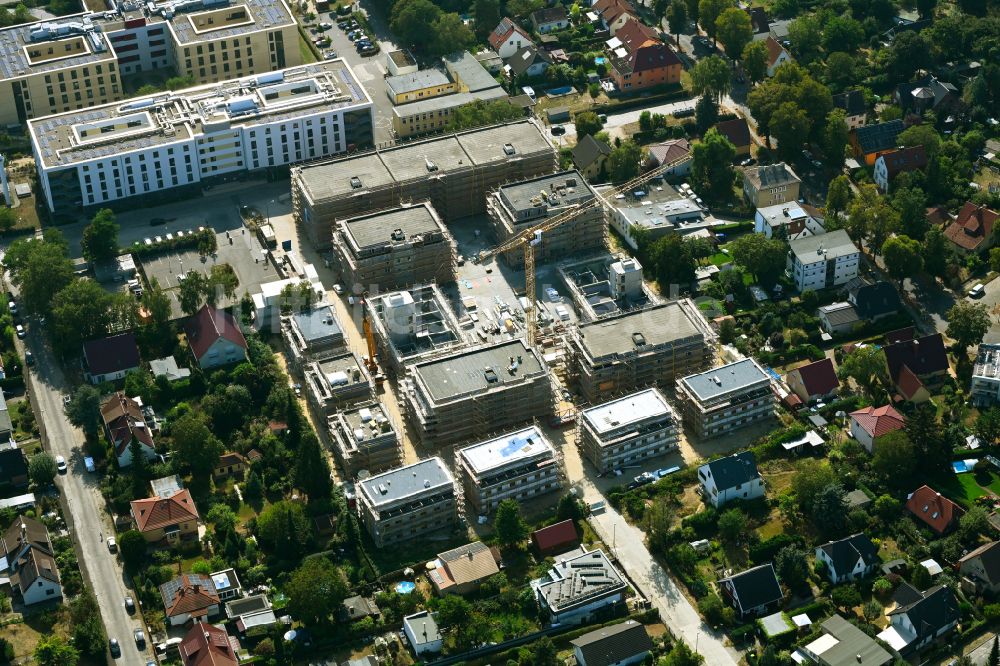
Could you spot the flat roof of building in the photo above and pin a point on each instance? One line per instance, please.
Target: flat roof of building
(87, 45)
(523, 444)
(470, 71)
(478, 370)
(724, 379)
(823, 247)
(626, 410)
(427, 476)
(580, 578)
(194, 21)
(422, 78)
(625, 333)
(447, 102)
(175, 116)
(360, 418)
(566, 188)
(318, 323)
(381, 167)
(652, 205)
(378, 228)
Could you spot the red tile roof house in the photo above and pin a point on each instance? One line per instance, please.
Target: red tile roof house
(614, 13)
(894, 162)
(934, 509)
(556, 539)
(972, 230)
(642, 61)
(110, 359)
(207, 645)
(814, 381)
(674, 151)
(777, 55)
(508, 37)
(189, 597)
(916, 364)
(215, 338)
(870, 424)
(166, 520)
(123, 423)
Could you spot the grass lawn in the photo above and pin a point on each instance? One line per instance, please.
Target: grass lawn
(305, 49)
(720, 259)
(961, 488)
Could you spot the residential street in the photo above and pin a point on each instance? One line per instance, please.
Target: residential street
(86, 519)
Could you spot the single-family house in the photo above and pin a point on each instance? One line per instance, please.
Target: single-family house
(461, 570)
(873, 300)
(753, 592)
(110, 359)
(934, 509)
(578, 587)
(590, 157)
(870, 141)
(507, 38)
(189, 597)
(738, 132)
(787, 221)
(215, 338)
(869, 424)
(555, 539)
(926, 93)
(421, 629)
(777, 55)
(549, 19)
(124, 424)
(232, 464)
(894, 162)
(852, 103)
(848, 559)
(676, 152)
(614, 13)
(641, 60)
(227, 584)
(13, 470)
(733, 477)
(938, 216)
(814, 381)
(166, 519)
(527, 61)
(972, 230)
(253, 615)
(980, 569)
(358, 608)
(920, 618)
(843, 644)
(840, 317)
(208, 645)
(770, 185)
(27, 561)
(916, 364)
(618, 645)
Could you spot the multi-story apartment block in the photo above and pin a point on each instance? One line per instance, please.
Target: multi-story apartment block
(472, 393)
(628, 430)
(518, 206)
(770, 185)
(394, 249)
(337, 381)
(723, 399)
(74, 62)
(365, 438)
(408, 502)
(519, 465)
(824, 261)
(985, 389)
(176, 140)
(640, 348)
(312, 335)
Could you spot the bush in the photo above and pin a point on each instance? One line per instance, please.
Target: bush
(185, 242)
(764, 551)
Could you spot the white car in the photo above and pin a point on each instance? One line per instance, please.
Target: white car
(20, 331)
(338, 289)
(61, 464)
(112, 545)
(12, 306)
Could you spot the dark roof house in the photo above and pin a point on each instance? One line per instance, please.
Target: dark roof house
(588, 151)
(754, 591)
(734, 470)
(852, 102)
(878, 138)
(927, 92)
(214, 337)
(624, 643)
(13, 469)
(872, 301)
(981, 567)
(926, 358)
(814, 380)
(737, 131)
(922, 616)
(849, 558)
(530, 60)
(110, 358)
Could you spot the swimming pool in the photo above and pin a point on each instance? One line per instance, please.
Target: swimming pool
(961, 466)
(559, 92)
(600, 60)
(405, 587)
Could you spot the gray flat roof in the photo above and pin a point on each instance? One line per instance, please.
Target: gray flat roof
(579, 579)
(423, 78)
(471, 72)
(525, 194)
(14, 60)
(478, 370)
(375, 229)
(447, 102)
(424, 477)
(823, 247)
(626, 410)
(724, 379)
(318, 323)
(660, 324)
(266, 14)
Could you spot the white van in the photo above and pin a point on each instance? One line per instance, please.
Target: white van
(978, 291)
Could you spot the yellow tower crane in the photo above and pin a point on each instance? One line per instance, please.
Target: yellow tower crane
(531, 237)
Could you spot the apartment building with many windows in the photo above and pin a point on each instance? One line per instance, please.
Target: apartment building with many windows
(408, 502)
(518, 465)
(628, 430)
(723, 399)
(170, 141)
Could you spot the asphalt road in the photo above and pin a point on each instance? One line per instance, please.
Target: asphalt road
(87, 520)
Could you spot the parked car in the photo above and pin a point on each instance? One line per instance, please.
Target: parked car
(330, 55)
(116, 649)
(325, 26)
(29, 359)
(140, 639)
(112, 545)
(12, 306)
(978, 291)
(61, 464)
(20, 331)
(558, 130)
(129, 605)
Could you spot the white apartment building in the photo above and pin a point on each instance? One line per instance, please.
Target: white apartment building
(824, 261)
(985, 389)
(628, 430)
(723, 399)
(519, 465)
(181, 139)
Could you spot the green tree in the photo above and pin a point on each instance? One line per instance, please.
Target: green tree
(895, 458)
(42, 469)
(100, 237)
(193, 444)
(755, 60)
(712, 165)
(39, 269)
(659, 518)
(872, 610)
(192, 292)
(792, 566)
(836, 135)
(706, 113)
(284, 527)
(994, 657)
(866, 366)
(841, 70)
(735, 31)
(81, 311)
(711, 76)
(413, 21)
(987, 427)
(871, 218)
(132, 546)
(709, 12)
(254, 490)
(681, 655)
(179, 83)
(911, 204)
(812, 477)
(312, 471)
(936, 252)
(221, 284)
(829, 511)
(902, 257)
(452, 611)
(510, 528)
(677, 18)
(84, 410)
(486, 14)
(8, 219)
(762, 257)
(524, 7)
(967, 323)
(732, 525)
(316, 590)
(624, 161)
(572, 508)
(88, 629)
(843, 33)
(587, 122)
(790, 126)
(786, 9)
(451, 34)
(845, 597)
(544, 653)
(669, 258)
(921, 135)
(838, 196)
(806, 35)
(53, 650)
(224, 518)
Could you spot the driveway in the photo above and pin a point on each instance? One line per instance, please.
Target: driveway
(87, 522)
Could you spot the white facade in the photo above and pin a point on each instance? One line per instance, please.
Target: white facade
(41, 589)
(422, 632)
(881, 174)
(221, 352)
(718, 497)
(985, 387)
(734, 477)
(863, 436)
(789, 219)
(514, 41)
(519, 465)
(628, 430)
(822, 262)
(176, 139)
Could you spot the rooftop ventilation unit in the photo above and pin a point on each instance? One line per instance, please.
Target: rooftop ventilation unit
(638, 339)
(491, 376)
(355, 183)
(508, 149)
(430, 165)
(398, 235)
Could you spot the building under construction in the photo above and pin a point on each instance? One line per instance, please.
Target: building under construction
(410, 502)
(633, 350)
(606, 286)
(454, 172)
(519, 206)
(365, 438)
(412, 326)
(393, 249)
(334, 382)
(473, 393)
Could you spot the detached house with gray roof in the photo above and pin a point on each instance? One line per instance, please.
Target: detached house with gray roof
(824, 261)
(618, 645)
(980, 569)
(753, 592)
(848, 559)
(770, 185)
(731, 478)
(920, 618)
